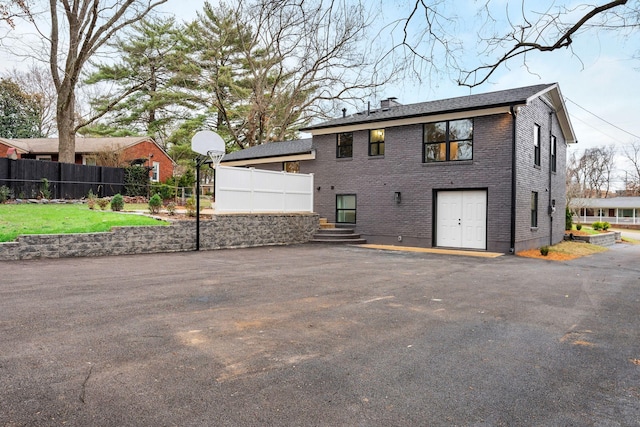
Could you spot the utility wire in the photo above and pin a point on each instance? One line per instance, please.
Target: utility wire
(606, 121)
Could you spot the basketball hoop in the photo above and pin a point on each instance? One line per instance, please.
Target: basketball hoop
(216, 157)
(210, 144)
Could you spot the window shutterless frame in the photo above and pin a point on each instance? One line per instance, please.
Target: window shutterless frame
(344, 145)
(534, 209)
(554, 160)
(376, 142)
(446, 141)
(346, 208)
(536, 145)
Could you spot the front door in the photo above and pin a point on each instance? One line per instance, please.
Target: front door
(461, 219)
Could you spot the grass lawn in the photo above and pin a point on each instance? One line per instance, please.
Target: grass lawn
(62, 219)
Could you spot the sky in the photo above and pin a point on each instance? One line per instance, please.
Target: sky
(597, 77)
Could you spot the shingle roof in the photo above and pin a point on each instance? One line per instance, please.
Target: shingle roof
(614, 202)
(462, 103)
(83, 145)
(272, 149)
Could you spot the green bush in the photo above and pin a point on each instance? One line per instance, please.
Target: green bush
(544, 250)
(155, 203)
(45, 190)
(578, 227)
(5, 192)
(165, 191)
(606, 226)
(568, 219)
(117, 203)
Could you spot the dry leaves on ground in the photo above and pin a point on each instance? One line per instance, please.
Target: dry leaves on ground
(564, 251)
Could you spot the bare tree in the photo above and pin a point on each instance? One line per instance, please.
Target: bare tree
(12, 9)
(632, 177)
(268, 67)
(88, 25)
(590, 175)
(542, 31)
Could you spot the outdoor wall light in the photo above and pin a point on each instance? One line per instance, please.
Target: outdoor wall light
(397, 196)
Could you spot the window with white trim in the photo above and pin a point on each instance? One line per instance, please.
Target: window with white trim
(155, 172)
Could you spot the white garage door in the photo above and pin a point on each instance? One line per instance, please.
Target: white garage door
(462, 219)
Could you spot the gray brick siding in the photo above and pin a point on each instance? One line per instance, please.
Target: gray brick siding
(375, 180)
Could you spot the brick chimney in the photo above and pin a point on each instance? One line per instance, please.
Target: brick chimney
(391, 102)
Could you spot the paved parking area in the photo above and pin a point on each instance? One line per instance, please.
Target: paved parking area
(321, 336)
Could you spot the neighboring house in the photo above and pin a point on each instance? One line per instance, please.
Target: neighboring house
(481, 172)
(616, 210)
(141, 150)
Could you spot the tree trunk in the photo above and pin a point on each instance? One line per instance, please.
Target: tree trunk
(65, 114)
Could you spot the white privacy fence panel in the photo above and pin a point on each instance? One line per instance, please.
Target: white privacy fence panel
(255, 190)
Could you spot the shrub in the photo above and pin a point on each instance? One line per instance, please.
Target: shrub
(568, 219)
(136, 180)
(596, 225)
(91, 200)
(45, 191)
(103, 203)
(117, 203)
(578, 227)
(606, 226)
(171, 208)
(5, 192)
(155, 203)
(165, 191)
(191, 206)
(544, 250)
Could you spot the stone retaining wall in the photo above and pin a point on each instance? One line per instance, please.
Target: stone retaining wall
(222, 231)
(604, 239)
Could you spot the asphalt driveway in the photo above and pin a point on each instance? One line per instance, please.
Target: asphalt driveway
(320, 336)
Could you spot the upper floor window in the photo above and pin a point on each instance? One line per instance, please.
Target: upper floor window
(536, 145)
(376, 142)
(554, 161)
(344, 147)
(448, 141)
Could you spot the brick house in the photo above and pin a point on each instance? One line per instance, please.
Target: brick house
(482, 172)
(141, 150)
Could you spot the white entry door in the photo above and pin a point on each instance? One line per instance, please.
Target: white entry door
(462, 219)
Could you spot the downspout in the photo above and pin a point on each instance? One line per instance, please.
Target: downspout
(512, 241)
(550, 206)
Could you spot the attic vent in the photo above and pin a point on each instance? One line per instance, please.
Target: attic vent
(385, 104)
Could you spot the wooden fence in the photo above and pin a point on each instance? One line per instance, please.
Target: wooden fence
(37, 178)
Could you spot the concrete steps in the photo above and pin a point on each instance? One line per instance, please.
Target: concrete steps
(328, 233)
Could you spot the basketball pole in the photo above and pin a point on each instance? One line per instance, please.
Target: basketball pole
(198, 164)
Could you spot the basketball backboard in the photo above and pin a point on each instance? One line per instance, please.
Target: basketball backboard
(206, 142)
